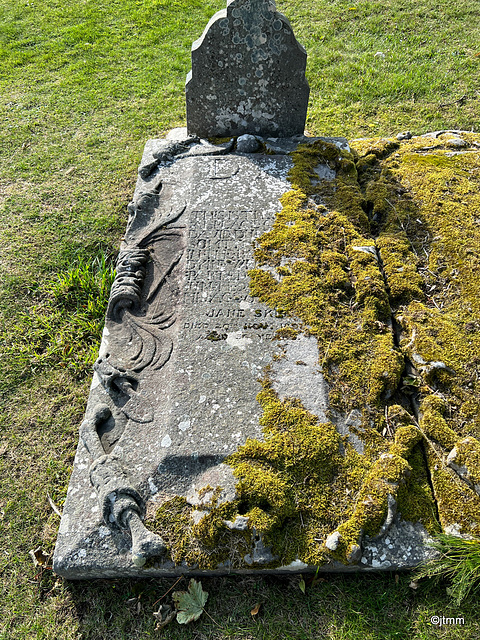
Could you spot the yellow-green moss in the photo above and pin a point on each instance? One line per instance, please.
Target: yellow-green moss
(318, 288)
(372, 502)
(219, 140)
(296, 479)
(287, 332)
(434, 426)
(205, 544)
(400, 268)
(415, 501)
(468, 456)
(173, 522)
(458, 505)
(397, 232)
(342, 195)
(389, 473)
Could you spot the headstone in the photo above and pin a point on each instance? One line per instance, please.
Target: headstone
(248, 75)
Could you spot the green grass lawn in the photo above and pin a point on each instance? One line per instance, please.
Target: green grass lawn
(83, 85)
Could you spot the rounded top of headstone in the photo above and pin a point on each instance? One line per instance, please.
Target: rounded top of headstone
(248, 75)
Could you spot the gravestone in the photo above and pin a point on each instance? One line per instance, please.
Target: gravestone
(175, 385)
(260, 402)
(248, 75)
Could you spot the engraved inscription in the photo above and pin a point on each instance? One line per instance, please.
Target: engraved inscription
(223, 168)
(219, 255)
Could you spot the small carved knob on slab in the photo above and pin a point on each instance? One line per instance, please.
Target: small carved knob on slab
(145, 544)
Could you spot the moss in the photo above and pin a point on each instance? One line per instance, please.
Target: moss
(415, 501)
(380, 240)
(445, 354)
(287, 332)
(435, 426)
(406, 437)
(468, 455)
(291, 477)
(358, 351)
(385, 370)
(458, 505)
(205, 544)
(370, 288)
(173, 523)
(400, 268)
(210, 528)
(379, 148)
(399, 473)
(219, 140)
(342, 195)
(370, 511)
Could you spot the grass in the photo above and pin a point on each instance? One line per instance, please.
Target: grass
(458, 560)
(83, 85)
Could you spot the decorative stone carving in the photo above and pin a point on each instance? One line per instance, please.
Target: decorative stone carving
(120, 502)
(136, 321)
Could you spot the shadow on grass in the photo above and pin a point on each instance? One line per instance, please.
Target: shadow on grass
(337, 606)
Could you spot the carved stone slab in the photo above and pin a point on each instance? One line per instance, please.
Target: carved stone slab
(184, 350)
(248, 74)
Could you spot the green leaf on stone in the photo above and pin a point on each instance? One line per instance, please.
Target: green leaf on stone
(189, 604)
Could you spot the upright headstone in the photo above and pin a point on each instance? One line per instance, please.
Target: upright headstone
(248, 75)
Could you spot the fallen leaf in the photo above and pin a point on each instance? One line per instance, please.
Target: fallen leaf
(413, 585)
(164, 616)
(256, 609)
(397, 578)
(302, 585)
(38, 556)
(189, 604)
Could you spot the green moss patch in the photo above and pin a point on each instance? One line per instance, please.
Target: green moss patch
(379, 265)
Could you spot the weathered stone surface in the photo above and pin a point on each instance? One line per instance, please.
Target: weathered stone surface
(349, 445)
(248, 74)
(184, 346)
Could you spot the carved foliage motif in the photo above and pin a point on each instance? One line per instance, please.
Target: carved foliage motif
(140, 310)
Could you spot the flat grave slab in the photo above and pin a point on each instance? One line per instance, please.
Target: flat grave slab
(257, 403)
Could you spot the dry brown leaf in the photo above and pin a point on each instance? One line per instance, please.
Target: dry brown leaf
(256, 609)
(38, 556)
(164, 616)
